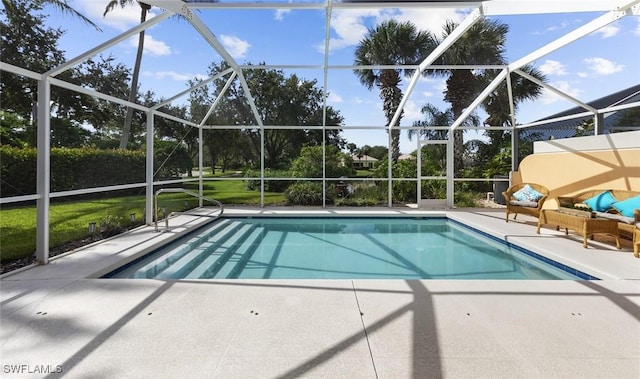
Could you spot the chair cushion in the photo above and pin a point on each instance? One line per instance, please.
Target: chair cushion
(626, 207)
(529, 204)
(601, 202)
(616, 216)
(527, 193)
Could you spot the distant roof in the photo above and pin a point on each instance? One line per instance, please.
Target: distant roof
(363, 158)
(567, 128)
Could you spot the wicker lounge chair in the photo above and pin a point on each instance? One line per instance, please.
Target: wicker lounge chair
(516, 206)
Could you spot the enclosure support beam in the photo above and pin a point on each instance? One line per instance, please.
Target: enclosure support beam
(450, 171)
(598, 122)
(201, 165)
(149, 170)
(44, 171)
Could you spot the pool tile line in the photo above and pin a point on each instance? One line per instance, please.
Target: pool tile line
(558, 265)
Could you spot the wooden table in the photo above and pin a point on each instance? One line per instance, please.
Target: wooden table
(584, 226)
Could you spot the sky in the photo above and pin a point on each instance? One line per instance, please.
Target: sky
(594, 66)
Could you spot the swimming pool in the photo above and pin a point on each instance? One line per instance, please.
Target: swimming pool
(339, 248)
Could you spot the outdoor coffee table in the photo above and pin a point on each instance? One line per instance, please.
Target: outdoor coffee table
(585, 226)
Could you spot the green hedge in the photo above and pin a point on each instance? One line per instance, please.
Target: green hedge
(71, 169)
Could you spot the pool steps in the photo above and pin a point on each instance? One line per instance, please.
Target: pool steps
(208, 254)
(192, 259)
(160, 264)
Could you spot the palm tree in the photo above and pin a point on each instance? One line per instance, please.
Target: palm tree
(435, 117)
(391, 43)
(133, 92)
(497, 103)
(61, 5)
(482, 44)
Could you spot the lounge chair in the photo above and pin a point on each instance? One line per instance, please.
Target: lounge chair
(526, 198)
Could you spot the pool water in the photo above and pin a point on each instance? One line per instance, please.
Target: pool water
(339, 248)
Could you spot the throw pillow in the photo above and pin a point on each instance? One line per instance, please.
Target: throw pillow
(626, 207)
(601, 202)
(527, 193)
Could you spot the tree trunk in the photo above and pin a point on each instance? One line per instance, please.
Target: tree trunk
(391, 96)
(126, 129)
(460, 92)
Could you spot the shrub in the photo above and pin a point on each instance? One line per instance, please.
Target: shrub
(252, 181)
(403, 191)
(309, 163)
(364, 194)
(465, 199)
(111, 225)
(71, 169)
(304, 193)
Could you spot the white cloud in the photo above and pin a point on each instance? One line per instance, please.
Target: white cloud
(349, 26)
(359, 100)
(603, 66)
(119, 18)
(334, 98)
(430, 19)
(183, 77)
(280, 13)
(237, 47)
(551, 67)
(151, 45)
(608, 31)
(411, 112)
(549, 97)
(428, 94)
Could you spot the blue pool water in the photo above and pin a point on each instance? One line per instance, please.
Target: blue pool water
(339, 248)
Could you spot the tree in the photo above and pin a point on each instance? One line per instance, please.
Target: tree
(12, 129)
(103, 75)
(351, 147)
(391, 43)
(133, 92)
(14, 12)
(26, 42)
(483, 44)
(434, 158)
(309, 163)
(280, 100)
(497, 104)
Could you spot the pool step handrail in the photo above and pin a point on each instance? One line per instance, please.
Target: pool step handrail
(180, 190)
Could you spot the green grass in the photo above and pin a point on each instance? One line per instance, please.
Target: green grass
(69, 219)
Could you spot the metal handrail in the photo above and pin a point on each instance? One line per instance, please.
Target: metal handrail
(181, 190)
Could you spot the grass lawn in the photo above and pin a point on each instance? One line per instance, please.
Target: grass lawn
(69, 219)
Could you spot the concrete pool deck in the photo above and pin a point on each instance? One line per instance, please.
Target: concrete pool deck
(61, 320)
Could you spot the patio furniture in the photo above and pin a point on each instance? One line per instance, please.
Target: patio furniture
(585, 226)
(625, 224)
(636, 234)
(528, 206)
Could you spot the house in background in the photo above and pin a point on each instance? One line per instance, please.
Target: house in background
(562, 125)
(363, 162)
(407, 157)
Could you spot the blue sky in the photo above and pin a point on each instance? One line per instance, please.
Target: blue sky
(596, 65)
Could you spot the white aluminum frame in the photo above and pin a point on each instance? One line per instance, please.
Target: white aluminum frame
(615, 9)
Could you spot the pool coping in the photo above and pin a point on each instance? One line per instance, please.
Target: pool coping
(601, 260)
(56, 318)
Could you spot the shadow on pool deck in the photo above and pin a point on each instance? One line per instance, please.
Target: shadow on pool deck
(328, 328)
